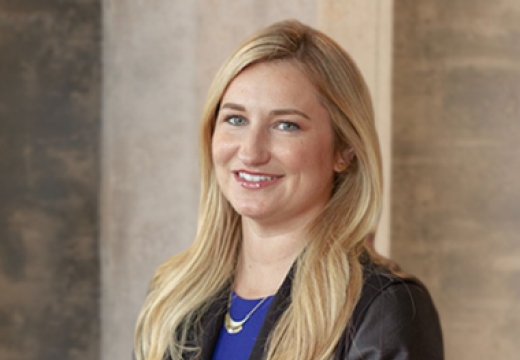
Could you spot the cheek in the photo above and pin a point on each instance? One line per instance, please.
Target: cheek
(222, 149)
(220, 159)
(313, 155)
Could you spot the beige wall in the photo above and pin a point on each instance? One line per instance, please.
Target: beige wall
(364, 28)
(456, 193)
(159, 58)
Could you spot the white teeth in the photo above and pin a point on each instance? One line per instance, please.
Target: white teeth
(250, 177)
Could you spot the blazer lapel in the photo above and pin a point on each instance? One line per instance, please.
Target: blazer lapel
(211, 325)
(281, 301)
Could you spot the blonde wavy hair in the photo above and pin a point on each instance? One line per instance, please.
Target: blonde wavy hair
(328, 274)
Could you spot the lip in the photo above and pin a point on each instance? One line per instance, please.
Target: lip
(268, 179)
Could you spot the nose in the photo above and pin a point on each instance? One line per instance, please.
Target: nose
(254, 147)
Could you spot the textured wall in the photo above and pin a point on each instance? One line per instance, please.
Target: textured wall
(49, 123)
(149, 177)
(456, 193)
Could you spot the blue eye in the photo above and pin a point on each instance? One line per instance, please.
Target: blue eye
(288, 126)
(236, 120)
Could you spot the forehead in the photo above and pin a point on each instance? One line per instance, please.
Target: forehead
(276, 81)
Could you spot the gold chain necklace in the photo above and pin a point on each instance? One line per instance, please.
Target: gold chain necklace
(232, 326)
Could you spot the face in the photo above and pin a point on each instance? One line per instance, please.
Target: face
(272, 147)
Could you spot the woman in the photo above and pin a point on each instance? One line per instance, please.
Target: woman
(291, 187)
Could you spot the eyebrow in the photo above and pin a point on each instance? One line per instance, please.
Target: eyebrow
(289, 112)
(276, 112)
(233, 107)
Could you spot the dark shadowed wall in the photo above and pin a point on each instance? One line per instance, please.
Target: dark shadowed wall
(456, 166)
(49, 170)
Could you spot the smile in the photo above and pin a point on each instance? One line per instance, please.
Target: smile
(256, 178)
(255, 181)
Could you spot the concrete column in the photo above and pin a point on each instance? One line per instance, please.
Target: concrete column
(456, 198)
(159, 59)
(149, 171)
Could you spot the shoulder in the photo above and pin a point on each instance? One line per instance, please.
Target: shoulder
(395, 318)
(381, 287)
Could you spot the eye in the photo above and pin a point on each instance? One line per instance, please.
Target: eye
(235, 120)
(287, 126)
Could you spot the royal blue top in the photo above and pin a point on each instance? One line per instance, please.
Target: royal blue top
(238, 346)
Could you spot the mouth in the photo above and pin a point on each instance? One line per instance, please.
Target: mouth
(256, 177)
(255, 180)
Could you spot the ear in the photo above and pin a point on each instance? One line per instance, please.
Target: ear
(343, 159)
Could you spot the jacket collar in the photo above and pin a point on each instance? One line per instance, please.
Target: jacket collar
(375, 279)
(214, 318)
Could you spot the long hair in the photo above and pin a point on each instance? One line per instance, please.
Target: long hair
(328, 274)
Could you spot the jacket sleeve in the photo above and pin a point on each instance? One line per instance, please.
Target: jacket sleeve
(399, 323)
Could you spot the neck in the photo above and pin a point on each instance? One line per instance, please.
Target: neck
(266, 257)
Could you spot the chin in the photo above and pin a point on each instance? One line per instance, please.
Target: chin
(251, 213)
(254, 213)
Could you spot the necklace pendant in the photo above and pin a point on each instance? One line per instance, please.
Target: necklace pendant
(232, 326)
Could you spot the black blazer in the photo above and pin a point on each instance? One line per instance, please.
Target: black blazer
(395, 319)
